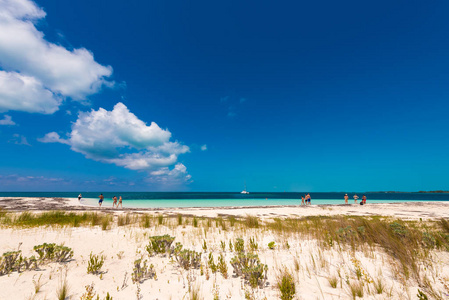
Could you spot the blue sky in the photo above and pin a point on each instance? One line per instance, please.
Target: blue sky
(206, 95)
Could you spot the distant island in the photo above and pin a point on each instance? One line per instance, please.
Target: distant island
(437, 192)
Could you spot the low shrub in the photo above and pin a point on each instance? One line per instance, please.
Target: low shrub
(188, 259)
(248, 266)
(142, 272)
(160, 244)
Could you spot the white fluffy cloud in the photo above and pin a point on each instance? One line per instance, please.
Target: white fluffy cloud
(26, 93)
(120, 138)
(204, 147)
(44, 71)
(7, 120)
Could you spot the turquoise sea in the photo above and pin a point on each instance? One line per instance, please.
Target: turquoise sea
(206, 199)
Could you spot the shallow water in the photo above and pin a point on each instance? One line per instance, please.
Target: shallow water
(190, 199)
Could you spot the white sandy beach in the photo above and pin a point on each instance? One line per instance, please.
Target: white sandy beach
(311, 265)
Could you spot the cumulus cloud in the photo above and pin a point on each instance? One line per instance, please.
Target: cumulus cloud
(37, 73)
(25, 93)
(204, 147)
(52, 137)
(119, 137)
(7, 120)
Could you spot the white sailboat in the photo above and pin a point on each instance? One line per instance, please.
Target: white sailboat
(244, 191)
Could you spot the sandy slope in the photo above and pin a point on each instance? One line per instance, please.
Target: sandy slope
(310, 264)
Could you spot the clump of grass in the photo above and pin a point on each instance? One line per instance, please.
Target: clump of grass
(333, 281)
(379, 285)
(62, 291)
(160, 219)
(37, 284)
(286, 285)
(145, 221)
(195, 222)
(195, 293)
(232, 220)
(179, 216)
(123, 220)
(271, 245)
(356, 289)
(251, 221)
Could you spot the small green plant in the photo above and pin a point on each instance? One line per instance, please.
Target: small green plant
(421, 295)
(222, 266)
(223, 246)
(159, 244)
(179, 219)
(286, 285)
(160, 219)
(90, 293)
(271, 245)
(142, 272)
(195, 222)
(213, 267)
(95, 263)
(253, 244)
(239, 245)
(231, 247)
(204, 246)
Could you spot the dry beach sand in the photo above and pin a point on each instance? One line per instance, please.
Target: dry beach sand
(312, 266)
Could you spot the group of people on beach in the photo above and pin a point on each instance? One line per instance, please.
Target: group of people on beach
(114, 203)
(305, 200)
(355, 199)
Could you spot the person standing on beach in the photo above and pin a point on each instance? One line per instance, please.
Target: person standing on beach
(356, 198)
(100, 202)
(308, 198)
(346, 198)
(119, 202)
(302, 200)
(115, 202)
(79, 197)
(363, 200)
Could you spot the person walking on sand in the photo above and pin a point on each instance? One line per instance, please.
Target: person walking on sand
(346, 198)
(308, 199)
(115, 202)
(120, 202)
(79, 197)
(302, 200)
(356, 198)
(100, 202)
